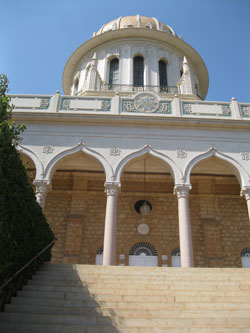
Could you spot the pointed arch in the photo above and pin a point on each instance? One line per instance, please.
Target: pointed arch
(240, 173)
(50, 168)
(35, 159)
(174, 169)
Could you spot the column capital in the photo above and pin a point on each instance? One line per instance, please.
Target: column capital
(112, 189)
(246, 193)
(182, 190)
(42, 187)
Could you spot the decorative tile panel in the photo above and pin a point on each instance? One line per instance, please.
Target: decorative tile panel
(206, 109)
(30, 102)
(82, 104)
(245, 111)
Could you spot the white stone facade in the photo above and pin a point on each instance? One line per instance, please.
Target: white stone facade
(174, 128)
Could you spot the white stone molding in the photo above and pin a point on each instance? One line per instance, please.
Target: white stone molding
(147, 149)
(42, 187)
(50, 168)
(34, 157)
(241, 174)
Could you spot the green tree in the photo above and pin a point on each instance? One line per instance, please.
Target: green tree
(24, 230)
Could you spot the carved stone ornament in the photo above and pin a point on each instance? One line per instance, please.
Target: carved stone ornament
(182, 191)
(44, 103)
(105, 105)
(245, 156)
(226, 110)
(245, 111)
(65, 104)
(111, 189)
(48, 149)
(143, 229)
(146, 103)
(187, 108)
(129, 106)
(115, 151)
(41, 192)
(164, 107)
(180, 153)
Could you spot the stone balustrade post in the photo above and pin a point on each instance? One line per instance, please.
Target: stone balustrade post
(109, 245)
(185, 234)
(42, 188)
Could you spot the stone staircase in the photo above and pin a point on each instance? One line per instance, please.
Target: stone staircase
(92, 299)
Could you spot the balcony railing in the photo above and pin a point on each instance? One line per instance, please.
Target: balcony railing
(132, 88)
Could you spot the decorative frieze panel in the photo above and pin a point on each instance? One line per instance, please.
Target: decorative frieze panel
(206, 109)
(146, 103)
(245, 111)
(85, 104)
(30, 102)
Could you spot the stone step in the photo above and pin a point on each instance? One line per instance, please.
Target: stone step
(93, 311)
(12, 327)
(166, 273)
(128, 313)
(97, 297)
(111, 279)
(140, 290)
(221, 322)
(88, 304)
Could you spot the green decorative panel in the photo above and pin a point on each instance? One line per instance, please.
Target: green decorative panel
(245, 111)
(146, 103)
(206, 109)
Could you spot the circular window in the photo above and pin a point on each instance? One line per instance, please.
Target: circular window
(143, 206)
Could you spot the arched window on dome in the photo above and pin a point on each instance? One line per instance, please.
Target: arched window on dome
(245, 258)
(138, 71)
(76, 86)
(113, 72)
(163, 75)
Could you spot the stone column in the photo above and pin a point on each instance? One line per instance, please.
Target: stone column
(186, 247)
(42, 188)
(109, 245)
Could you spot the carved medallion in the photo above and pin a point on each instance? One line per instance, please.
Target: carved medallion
(146, 103)
(143, 229)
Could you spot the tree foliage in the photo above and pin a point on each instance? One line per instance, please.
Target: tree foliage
(24, 230)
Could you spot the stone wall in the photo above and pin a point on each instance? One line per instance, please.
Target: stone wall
(76, 208)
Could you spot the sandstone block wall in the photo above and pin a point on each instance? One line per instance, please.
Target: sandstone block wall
(76, 208)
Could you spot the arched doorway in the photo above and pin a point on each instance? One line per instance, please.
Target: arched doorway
(147, 210)
(218, 213)
(99, 256)
(245, 258)
(76, 207)
(176, 258)
(143, 254)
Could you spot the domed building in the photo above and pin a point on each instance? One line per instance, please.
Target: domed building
(131, 165)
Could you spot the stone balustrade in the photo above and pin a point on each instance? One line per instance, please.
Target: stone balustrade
(145, 103)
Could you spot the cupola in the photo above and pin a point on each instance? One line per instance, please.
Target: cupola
(132, 54)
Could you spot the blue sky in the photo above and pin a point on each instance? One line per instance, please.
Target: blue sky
(38, 36)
